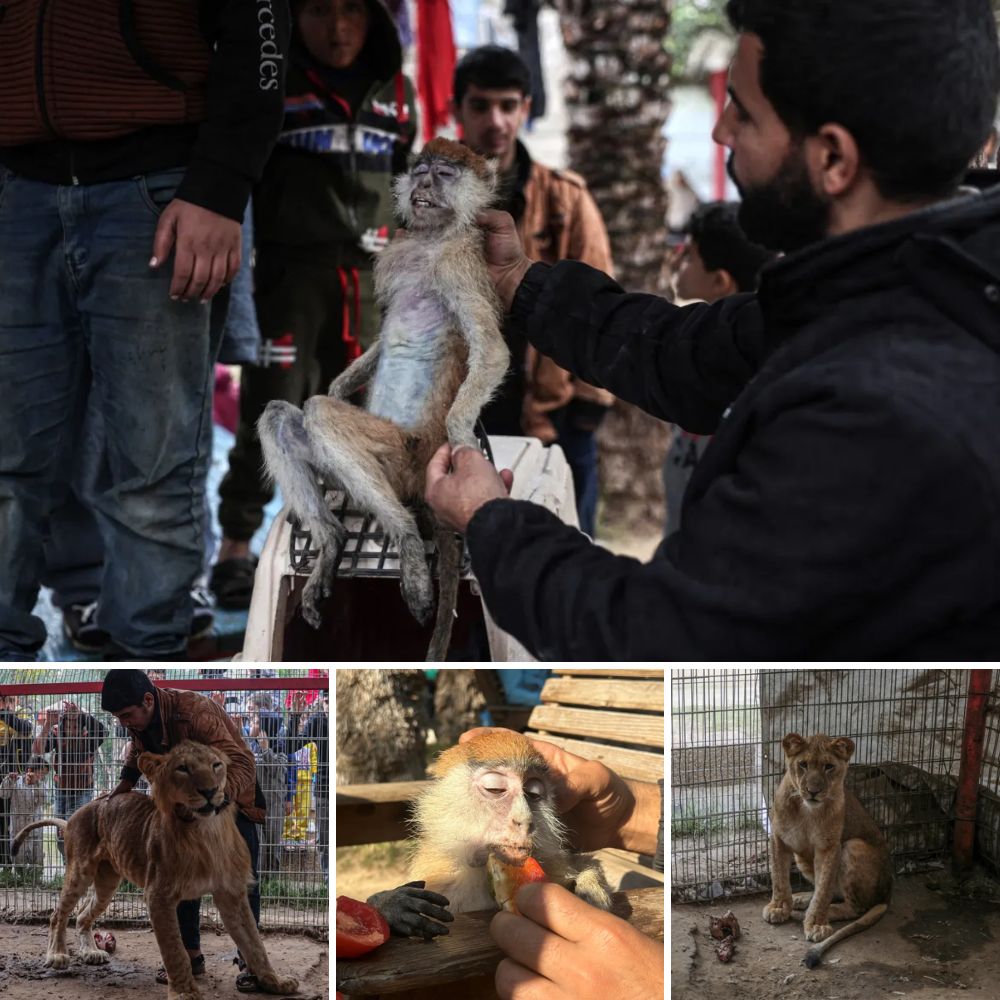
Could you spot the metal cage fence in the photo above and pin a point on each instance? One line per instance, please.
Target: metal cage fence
(58, 750)
(727, 727)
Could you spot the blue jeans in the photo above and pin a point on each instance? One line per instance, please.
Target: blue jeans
(67, 803)
(81, 314)
(580, 449)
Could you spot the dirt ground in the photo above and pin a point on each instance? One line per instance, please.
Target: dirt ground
(130, 972)
(938, 941)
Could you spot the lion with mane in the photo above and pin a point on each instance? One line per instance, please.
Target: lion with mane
(180, 843)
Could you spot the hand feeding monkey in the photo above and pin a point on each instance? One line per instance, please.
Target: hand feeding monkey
(493, 795)
(439, 357)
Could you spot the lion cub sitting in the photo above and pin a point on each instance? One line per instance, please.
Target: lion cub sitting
(836, 845)
(181, 842)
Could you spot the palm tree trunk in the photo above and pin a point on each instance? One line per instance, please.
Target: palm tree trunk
(617, 103)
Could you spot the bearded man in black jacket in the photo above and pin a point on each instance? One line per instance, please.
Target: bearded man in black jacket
(849, 504)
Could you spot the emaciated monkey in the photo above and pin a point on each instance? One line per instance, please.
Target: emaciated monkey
(438, 359)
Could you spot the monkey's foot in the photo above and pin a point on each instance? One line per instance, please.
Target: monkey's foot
(415, 580)
(321, 580)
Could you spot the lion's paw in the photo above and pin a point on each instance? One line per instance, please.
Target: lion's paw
(94, 956)
(777, 912)
(192, 995)
(58, 960)
(816, 932)
(279, 984)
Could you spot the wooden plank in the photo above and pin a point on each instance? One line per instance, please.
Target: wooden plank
(623, 672)
(618, 727)
(403, 966)
(639, 765)
(625, 870)
(372, 814)
(602, 693)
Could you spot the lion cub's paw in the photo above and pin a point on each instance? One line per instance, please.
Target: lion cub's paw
(816, 932)
(58, 960)
(193, 995)
(777, 912)
(279, 984)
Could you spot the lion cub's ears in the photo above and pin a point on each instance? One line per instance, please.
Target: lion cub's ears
(841, 747)
(151, 764)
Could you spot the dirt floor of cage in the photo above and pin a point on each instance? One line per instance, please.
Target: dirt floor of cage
(937, 942)
(23, 975)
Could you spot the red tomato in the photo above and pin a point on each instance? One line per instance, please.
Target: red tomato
(360, 928)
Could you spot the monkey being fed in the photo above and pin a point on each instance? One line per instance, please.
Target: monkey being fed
(492, 804)
(438, 359)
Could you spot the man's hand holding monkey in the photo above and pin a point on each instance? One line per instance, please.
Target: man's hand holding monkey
(505, 257)
(459, 482)
(561, 947)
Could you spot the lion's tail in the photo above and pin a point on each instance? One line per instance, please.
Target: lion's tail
(815, 954)
(48, 821)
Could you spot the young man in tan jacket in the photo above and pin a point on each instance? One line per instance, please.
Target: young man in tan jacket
(557, 220)
(157, 719)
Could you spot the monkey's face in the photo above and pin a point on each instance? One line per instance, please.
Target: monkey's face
(511, 808)
(438, 192)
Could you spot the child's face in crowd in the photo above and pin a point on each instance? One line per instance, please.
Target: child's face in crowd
(334, 31)
(32, 777)
(694, 281)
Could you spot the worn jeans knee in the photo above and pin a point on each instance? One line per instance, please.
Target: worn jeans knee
(84, 315)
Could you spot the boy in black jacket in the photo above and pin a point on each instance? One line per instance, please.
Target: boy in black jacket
(321, 211)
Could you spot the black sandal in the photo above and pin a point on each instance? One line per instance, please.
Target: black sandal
(246, 982)
(232, 582)
(197, 969)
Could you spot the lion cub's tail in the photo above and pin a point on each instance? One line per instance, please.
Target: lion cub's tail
(815, 954)
(48, 821)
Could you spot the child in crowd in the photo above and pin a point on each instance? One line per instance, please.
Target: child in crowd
(321, 211)
(716, 260)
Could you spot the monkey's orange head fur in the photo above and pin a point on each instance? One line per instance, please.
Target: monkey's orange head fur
(491, 749)
(455, 152)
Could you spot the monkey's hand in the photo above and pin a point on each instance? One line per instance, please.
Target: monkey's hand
(408, 910)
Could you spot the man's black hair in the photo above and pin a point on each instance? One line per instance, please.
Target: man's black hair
(491, 67)
(124, 688)
(714, 228)
(914, 81)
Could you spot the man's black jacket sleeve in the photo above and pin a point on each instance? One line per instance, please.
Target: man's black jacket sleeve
(246, 89)
(783, 547)
(681, 364)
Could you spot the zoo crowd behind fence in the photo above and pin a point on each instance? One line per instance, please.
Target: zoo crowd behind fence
(59, 750)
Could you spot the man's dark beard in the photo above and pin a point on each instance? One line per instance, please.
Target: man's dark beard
(785, 213)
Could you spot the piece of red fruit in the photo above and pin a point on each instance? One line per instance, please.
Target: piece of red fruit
(505, 880)
(360, 928)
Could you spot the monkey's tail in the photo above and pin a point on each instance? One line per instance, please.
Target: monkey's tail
(449, 547)
(16, 843)
(815, 954)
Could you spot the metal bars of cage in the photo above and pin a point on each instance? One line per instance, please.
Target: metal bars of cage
(727, 761)
(58, 750)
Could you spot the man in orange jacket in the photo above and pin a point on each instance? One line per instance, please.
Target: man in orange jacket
(557, 220)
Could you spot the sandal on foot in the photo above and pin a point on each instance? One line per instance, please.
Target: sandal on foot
(232, 582)
(197, 969)
(246, 982)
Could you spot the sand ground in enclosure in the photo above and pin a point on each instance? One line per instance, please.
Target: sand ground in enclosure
(130, 972)
(933, 944)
